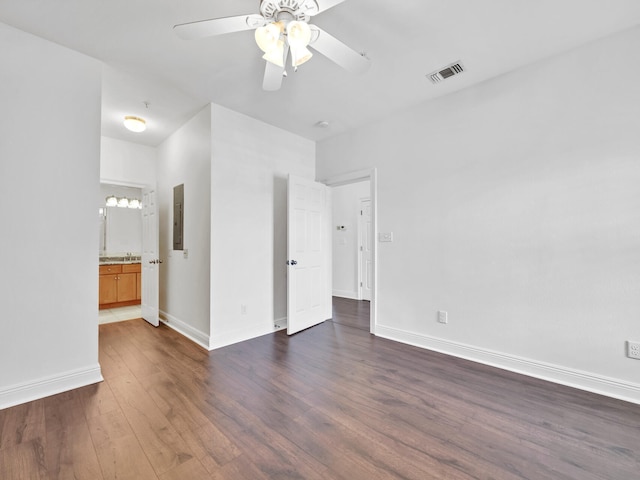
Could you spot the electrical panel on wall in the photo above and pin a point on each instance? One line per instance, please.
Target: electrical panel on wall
(178, 217)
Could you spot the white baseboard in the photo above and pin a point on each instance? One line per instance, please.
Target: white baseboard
(185, 329)
(229, 338)
(346, 294)
(242, 334)
(590, 382)
(280, 324)
(47, 386)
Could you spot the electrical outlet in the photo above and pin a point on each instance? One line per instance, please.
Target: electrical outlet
(442, 317)
(633, 350)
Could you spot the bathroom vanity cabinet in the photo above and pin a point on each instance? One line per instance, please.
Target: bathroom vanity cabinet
(119, 285)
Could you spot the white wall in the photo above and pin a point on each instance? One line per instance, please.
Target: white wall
(49, 155)
(127, 163)
(250, 164)
(346, 211)
(515, 207)
(185, 158)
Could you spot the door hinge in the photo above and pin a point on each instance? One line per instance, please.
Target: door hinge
(361, 248)
(361, 284)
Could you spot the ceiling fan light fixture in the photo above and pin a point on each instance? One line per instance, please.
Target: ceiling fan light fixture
(135, 124)
(298, 34)
(298, 37)
(282, 25)
(300, 56)
(276, 54)
(268, 37)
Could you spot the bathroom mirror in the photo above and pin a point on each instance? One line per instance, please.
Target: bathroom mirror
(120, 226)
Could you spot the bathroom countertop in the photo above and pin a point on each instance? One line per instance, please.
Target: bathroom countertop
(119, 260)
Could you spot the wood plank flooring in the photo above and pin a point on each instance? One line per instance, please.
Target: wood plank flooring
(352, 313)
(332, 402)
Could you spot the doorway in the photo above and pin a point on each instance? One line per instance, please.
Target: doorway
(348, 240)
(128, 253)
(120, 244)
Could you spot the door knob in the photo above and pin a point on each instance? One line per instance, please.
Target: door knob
(293, 262)
(152, 261)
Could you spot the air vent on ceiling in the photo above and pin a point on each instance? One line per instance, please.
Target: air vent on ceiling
(446, 72)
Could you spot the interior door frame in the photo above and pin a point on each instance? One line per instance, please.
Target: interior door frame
(120, 183)
(355, 177)
(360, 249)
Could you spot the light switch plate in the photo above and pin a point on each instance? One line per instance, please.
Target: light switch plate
(385, 237)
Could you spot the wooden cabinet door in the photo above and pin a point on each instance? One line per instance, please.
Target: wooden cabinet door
(138, 286)
(108, 289)
(127, 287)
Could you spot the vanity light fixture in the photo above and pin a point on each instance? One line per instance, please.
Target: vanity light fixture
(135, 124)
(134, 203)
(123, 202)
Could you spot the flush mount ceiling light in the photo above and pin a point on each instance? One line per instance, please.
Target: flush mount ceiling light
(135, 124)
(282, 30)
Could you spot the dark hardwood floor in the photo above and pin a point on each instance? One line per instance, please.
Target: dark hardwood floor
(332, 402)
(352, 313)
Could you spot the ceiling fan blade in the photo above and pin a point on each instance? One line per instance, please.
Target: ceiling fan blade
(273, 75)
(338, 52)
(327, 4)
(218, 26)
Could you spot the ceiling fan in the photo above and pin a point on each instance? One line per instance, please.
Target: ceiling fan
(282, 31)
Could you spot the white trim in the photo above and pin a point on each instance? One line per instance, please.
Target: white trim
(51, 385)
(360, 176)
(242, 334)
(350, 177)
(590, 382)
(209, 343)
(122, 183)
(360, 248)
(280, 324)
(346, 294)
(185, 329)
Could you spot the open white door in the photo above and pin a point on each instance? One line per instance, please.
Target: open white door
(150, 257)
(309, 254)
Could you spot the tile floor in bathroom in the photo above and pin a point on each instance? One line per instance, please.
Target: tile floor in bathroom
(111, 315)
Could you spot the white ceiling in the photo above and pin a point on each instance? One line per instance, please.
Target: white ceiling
(405, 40)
